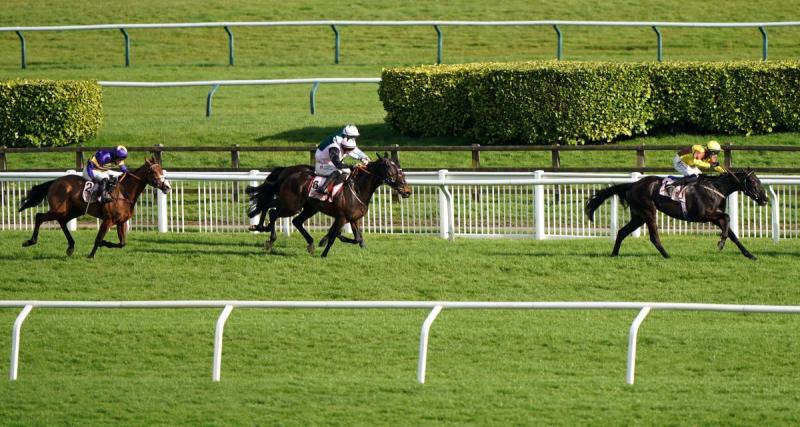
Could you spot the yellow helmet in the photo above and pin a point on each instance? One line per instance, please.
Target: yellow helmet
(713, 146)
(697, 148)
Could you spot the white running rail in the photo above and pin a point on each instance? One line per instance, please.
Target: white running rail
(538, 205)
(435, 306)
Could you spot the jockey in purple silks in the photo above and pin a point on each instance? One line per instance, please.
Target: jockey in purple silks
(97, 169)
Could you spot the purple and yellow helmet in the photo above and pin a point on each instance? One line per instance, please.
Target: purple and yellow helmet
(121, 152)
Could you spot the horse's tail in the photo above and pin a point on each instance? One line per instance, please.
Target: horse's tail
(35, 195)
(604, 194)
(261, 195)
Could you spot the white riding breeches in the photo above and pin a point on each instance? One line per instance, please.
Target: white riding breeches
(325, 169)
(683, 168)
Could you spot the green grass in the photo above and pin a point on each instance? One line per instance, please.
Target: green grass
(358, 367)
(272, 115)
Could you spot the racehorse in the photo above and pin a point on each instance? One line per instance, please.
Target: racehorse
(287, 194)
(64, 196)
(705, 202)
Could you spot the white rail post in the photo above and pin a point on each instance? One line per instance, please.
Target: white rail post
(733, 213)
(776, 217)
(444, 215)
(423, 343)
(538, 205)
(614, 226)
(287, 226)
(634, 332)
(161, 206)
(72, 224)
(12, 372)
(253, 173)
(217, 368)
(638, 232)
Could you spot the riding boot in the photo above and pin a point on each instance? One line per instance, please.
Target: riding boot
(323, 188)
(108, 187)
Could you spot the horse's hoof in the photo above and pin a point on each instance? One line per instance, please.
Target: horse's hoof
(323, 241)
(310, 249)
(268, 246)
(751, 256)
(721, 244)
(70, 251)
(27, 243)
(362, 245)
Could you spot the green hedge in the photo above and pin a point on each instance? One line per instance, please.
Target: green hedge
(39, 113)
(580, 102)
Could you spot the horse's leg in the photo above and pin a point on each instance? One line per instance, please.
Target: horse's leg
(298, 222)
(40, 218)
(629, 228)
(652, 229)
(723, 222)
(121, 229)
(739, 244)
(273, 236)
(337, 225)
(70, 241)
(98, 240)
(357, 236)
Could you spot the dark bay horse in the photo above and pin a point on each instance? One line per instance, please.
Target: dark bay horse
(287, 194)
(66, 202)
(705, 202)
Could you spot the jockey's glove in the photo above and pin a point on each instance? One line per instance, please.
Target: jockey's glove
(345, 171)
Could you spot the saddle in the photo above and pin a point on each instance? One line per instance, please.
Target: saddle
(675, 192)
(334, 188)
(92, 192)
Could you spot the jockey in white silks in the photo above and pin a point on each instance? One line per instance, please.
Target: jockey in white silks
(332, 150)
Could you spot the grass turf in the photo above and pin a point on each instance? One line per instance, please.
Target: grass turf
(358, 367)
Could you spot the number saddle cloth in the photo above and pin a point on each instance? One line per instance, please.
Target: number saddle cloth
(92, 192)
(333, 190)
(676, 193)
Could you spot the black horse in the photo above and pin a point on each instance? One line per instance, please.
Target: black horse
(705, 202)
(285, 193)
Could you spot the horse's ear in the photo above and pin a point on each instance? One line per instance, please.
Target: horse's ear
(385, 154)
(378, 155)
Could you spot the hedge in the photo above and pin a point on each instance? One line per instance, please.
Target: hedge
(585, 102)
(39, 113)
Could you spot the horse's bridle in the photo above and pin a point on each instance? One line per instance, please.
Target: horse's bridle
(386, 180)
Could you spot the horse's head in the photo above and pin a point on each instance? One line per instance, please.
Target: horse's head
(155, 176)
(751, 186)
(391, 174)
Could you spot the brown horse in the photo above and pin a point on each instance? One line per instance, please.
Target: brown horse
(66, 202)
(287, 194)
(705, 202)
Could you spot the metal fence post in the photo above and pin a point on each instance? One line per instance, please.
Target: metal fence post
(161, 208)
(72, 224)
(335, 44)
(764, 43)
(614, 217)
(444, 214)
(776, 214)
(22, 49)
(216, 369)
(733, 213)
(660, 50)
(208, 99)
(560, 42)
(438, 44)
(254, 173)
(14, 368)
(638, 232)
(127, 47)
(312, 97)
(230, 45)
(423, 343)
(633, 334)
(539, 205)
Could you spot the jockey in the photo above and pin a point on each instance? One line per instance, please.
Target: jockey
(689, 161)
(330, 153)
(97, 169)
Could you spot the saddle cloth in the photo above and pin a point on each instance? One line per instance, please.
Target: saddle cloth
(676, 193)
(329, 196)
(91, 192)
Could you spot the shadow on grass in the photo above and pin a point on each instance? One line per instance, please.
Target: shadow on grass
(371, 135)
